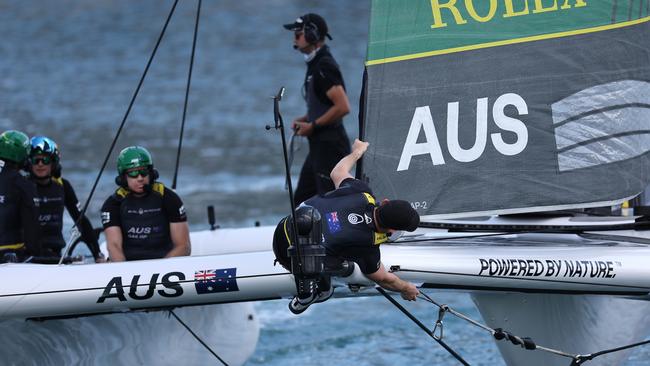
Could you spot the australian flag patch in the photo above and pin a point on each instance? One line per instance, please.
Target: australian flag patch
(333, 222)
(212, 281)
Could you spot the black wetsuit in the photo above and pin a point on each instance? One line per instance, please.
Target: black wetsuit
(144, 221)
(53, 197)
(19, 228)
(327, 144)
(347, 225)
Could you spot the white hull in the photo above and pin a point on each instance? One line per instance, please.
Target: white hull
(576, 324)
(562, 290)
(142, 338)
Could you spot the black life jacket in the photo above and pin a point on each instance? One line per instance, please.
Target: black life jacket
(144, 224)
(347, 219)
(318, 104)
(11, 228)
(52, 203)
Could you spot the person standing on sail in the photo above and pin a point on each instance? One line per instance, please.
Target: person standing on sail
(353, 226)
(55, 194)
(19, 228)
(327, 103)
(143, 219)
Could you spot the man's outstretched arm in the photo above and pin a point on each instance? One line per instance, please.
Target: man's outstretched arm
(342, 169)
(389, 281)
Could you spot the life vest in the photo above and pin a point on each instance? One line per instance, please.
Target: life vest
(317, 105)
(11, 228)
(347, 219)
(51, 199)
(144, 224)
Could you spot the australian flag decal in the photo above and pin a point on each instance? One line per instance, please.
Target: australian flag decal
(212, 281)
(333, 222)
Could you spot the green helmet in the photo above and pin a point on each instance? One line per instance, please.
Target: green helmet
(133, 157)
(14, 146)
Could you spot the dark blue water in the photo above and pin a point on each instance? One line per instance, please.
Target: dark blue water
(69, 69)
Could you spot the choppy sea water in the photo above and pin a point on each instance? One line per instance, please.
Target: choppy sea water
(69, 69)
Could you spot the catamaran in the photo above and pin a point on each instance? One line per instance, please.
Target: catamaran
(501, 122)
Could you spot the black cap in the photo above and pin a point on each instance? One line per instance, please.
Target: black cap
(312, 18)
(397, 215)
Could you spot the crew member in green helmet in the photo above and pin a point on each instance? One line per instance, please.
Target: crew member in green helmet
(143, 219)
(54, 194)
(19, 228)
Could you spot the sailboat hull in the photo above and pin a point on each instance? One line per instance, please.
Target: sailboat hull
(569, 323)
(143, 338)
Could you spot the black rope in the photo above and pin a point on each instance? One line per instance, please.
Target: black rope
(197, 337)
(187, 92)
(422, 326)
(580, 359)
(126, 115)
(525, 342)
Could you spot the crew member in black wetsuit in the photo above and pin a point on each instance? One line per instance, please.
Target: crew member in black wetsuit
(327, 103)
(353, 226)
(55, 194)
(143, 219)
(19, 228)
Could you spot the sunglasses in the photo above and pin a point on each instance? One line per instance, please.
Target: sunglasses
(297, 34)
(46, 160)
(135, 173)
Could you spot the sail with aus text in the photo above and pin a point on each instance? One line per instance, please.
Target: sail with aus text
(504, 106)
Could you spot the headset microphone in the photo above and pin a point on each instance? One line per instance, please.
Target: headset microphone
(295, 47)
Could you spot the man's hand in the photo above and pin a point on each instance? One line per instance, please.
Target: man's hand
(391, 282)
(302, 128)
(359, 148)
(410, 292)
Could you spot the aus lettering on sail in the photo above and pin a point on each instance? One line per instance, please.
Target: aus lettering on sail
(512, 124)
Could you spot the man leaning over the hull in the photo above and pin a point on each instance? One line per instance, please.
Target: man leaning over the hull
(143, 219)
(19, 229)
(352, 226)
(56, 194)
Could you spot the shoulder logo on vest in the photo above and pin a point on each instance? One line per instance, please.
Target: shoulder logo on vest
(333, 223)
(368, 218)
(106, 217)
(355, 218)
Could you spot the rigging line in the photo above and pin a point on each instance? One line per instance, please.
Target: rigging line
(582, 358)
(540, 231)
(497, 332)
(171, 311)
(577, 359)
(126, 115)
(530, 229)
(187, 92)
(422, 326)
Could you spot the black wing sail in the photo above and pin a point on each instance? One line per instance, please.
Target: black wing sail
(506, 107)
